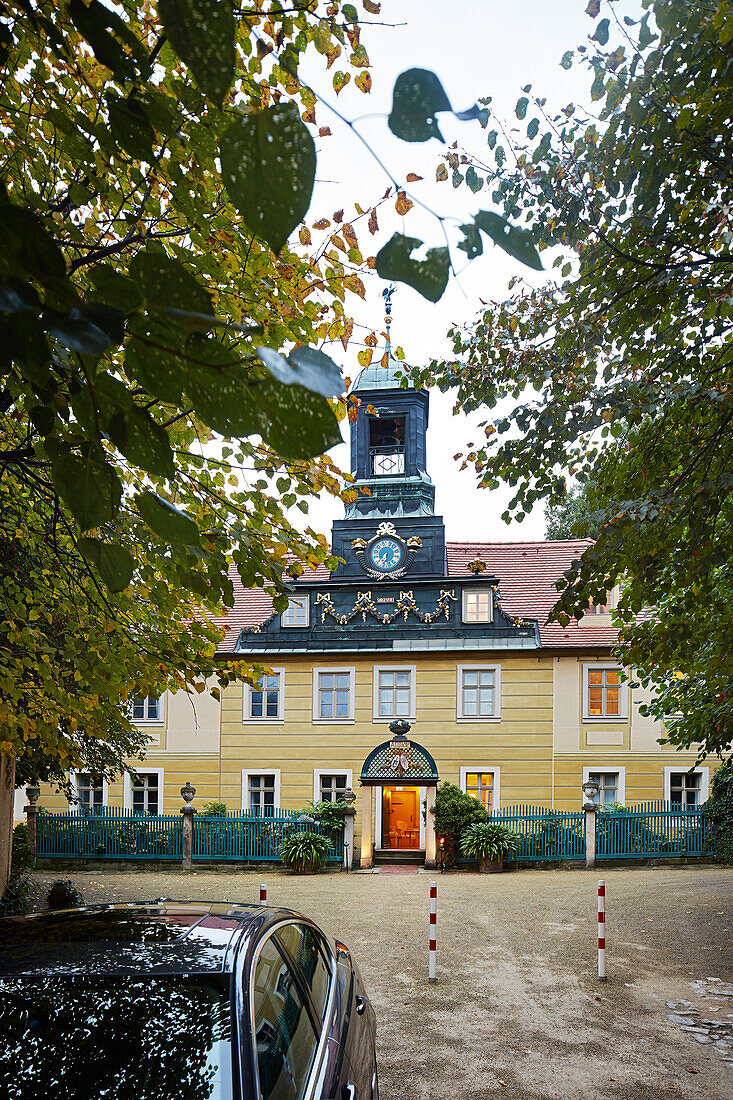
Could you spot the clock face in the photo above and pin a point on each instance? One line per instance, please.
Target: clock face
(386, 554)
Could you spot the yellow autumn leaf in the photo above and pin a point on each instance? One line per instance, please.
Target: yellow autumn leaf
(441, 173)
(365, 357)
(364, 82)
(402, 204)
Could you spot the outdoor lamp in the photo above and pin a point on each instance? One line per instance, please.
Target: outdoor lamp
(441, 849)
(590, 790)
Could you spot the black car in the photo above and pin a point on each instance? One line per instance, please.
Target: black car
(181, 1001)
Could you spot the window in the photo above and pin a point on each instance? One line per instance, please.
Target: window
(686, 789)
(296, 613)
(265, 702)
(88, 794)
(394, 693)
(307, 952)
(477, 606)
(608, 787)
(285, 1040)
(478, 692)
(147, 708)
(333, 695)
(598, 609)
(482, 784)
(604, 694)
(145, 792)
(386, 446)
(261, 792)
(330, 786)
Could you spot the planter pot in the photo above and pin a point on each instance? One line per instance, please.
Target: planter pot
(490, 866)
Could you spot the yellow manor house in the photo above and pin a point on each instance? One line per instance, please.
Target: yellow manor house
(449, 638)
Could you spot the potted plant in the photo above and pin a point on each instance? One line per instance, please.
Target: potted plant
(304, 852)
(489, 842)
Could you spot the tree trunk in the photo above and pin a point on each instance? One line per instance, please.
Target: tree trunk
(7, 800)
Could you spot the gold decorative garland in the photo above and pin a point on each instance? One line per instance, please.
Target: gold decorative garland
(365, 605)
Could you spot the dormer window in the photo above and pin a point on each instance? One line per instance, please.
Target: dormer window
(477, 605)
(296, 613)
(386, 446)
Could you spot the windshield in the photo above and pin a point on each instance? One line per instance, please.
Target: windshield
(115, 1037)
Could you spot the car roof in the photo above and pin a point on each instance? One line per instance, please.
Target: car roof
(164, 937)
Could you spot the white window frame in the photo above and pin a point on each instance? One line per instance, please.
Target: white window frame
(677, 769)
(496, 770)
(247, 698)
(476, 667)
(247, 772)
(326, 669)
(412, 707)
(300, 601)
(74, 805)
(318, 772)
(127, 786)
(474, 592)
(620, 771)
(623, 695)
(159, 721)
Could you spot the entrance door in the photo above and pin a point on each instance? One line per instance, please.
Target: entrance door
(400, 823)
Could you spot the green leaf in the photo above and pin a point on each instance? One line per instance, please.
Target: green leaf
(113, 42)
(115, 289)
(521, 108)
(350, 13)
(567, 59)
(515, 241)
(27, 242)
(166, 520)
(300, 423)
(268, 163)
(114, 564)
(418, 96)
(308, 367)
(601, 35)
(202, 33)
(429, 276)
(131, 127)
(142, 440)
(473, 180)
(76, 330)
(472, 244)
(89, 486)
(167, 284)
(533, 129)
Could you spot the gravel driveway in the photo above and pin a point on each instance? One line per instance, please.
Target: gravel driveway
(517, 1011)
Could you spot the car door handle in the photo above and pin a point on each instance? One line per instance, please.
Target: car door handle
(360, 1006)
(348, 1091)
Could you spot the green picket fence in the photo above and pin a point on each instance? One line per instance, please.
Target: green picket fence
(653, 829)
(544, 834)
(111, 834)
(246, 837)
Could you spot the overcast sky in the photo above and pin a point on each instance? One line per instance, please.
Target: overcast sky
(477, 48)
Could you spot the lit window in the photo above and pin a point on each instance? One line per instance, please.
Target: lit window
(333, 696)
(261, 794)
(480, 785)
(332, 788)
(296, 613)
(477, 695)
(89, 792)
(604, 693)
(608, 786)
(477, 606)
(145, 793)
(147, 708)
(394, 693)
(684, 789)
(264, 702)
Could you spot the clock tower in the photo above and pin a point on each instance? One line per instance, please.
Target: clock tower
(391, 530)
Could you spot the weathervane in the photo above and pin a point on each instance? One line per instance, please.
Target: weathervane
(387, 295)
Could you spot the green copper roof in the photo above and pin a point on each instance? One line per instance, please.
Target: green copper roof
(377, 377)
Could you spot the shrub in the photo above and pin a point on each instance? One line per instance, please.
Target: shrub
(328, 813)
(213, 809)
(719, 812)
(454, 812)
(304, 851)
(16, 901)
(488, 840)
(64, 895)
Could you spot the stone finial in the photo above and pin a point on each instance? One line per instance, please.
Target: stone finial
(188, 793)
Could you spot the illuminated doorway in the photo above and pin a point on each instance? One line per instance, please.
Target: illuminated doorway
(400, 821)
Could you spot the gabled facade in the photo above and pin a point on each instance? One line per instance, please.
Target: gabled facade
(450, 637)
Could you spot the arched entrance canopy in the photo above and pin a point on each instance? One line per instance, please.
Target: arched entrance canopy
(408, 765)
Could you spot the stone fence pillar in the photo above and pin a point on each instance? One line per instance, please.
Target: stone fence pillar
(590, 835)
(187, 794)
(33, 793)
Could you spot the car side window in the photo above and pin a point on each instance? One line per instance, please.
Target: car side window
(307, 949)
(285, 1040)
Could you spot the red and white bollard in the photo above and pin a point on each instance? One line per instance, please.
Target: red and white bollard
(601, 930)
(263, 894)
(431, 941)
